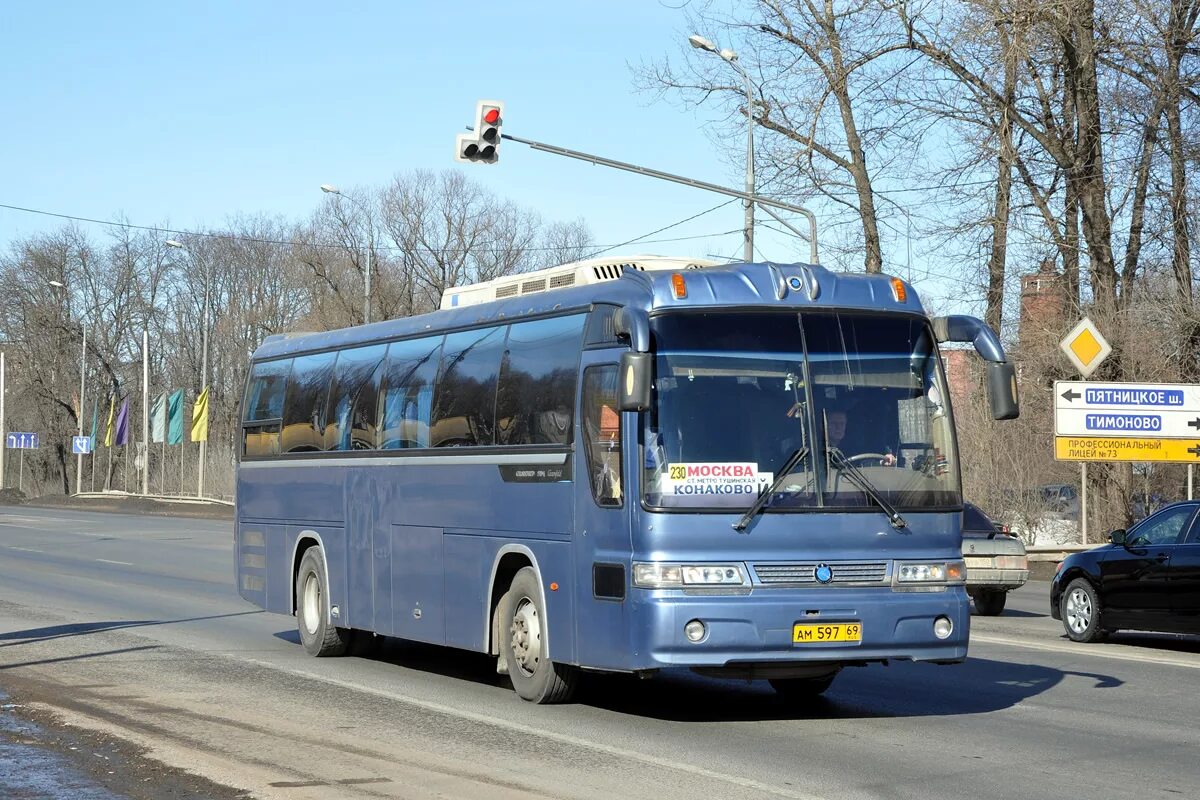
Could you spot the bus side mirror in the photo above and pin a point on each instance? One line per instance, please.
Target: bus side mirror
(1002, 390)
(636, 381)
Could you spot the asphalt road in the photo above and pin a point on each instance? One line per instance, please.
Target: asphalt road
(131, 626)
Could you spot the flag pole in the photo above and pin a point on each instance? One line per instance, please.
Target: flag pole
(146, 412)
(3, 432)
(82, 375)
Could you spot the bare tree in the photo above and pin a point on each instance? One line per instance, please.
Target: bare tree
(828, 74)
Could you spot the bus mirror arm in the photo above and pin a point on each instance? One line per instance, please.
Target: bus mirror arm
(1001, 375)
(633, 324)
(961, 328)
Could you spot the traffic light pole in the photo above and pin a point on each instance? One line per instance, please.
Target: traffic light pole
(759, 200)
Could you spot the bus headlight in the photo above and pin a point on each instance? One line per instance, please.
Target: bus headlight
(930, 572)
(658, 575)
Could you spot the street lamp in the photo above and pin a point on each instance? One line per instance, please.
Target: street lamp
(203, 359)
(330, 189)
(82, 378)
(730, 57)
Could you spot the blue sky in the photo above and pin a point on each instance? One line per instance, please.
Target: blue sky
(188, 114)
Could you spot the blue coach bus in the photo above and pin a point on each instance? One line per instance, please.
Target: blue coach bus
(746, 470)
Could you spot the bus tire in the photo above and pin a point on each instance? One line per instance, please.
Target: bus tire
(522, 625)
(803, 688)
(319, 637)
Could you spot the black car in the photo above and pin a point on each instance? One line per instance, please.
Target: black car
(1147, 579)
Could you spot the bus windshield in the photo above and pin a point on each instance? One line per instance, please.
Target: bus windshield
(737, 393)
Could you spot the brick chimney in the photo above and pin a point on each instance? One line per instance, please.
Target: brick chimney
(1043, 307)
(962, 374)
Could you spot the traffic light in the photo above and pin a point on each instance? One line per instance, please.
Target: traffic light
(490, 116)
(483, 145)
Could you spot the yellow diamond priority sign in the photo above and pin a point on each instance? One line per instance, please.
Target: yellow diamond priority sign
(1085, 347)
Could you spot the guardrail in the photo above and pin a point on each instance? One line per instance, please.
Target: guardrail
(162, 498)
(1055, 552)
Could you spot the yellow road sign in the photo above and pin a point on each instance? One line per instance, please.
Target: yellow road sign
(1092, 448)
(1085, 347)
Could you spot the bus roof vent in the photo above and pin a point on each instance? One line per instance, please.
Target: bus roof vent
(577, 273)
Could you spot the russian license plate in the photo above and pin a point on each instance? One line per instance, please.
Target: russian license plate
(804, 633)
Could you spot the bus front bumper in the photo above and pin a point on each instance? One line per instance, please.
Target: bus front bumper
(757, 628)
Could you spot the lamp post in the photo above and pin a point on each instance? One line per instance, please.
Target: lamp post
(730, 57)
(203, 361)
(329, 189)
(82, 380)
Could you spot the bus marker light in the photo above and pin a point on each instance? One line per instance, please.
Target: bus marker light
(899, 291)
(695, 631)
(678, 285)
(554, 587)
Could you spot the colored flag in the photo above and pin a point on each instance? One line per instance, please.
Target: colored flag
(200, 417)
(175, 417)
(158, 418)
(108, 429)
(95, 419)
(122, 437)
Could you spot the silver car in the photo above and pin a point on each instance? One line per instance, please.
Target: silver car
(996, 562)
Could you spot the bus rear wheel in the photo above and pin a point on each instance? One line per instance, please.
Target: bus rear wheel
(318, 635)
(523, 624)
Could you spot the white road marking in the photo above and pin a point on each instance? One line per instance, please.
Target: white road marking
(24, 549)
(122, 563)
(1094, 650)
(564, 738)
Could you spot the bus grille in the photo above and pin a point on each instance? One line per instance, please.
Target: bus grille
(844, 572)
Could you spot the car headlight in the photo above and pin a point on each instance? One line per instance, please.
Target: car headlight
(930, 572)
(659, 575)
(1012, 562)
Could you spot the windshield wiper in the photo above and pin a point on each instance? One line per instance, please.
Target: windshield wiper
(855, 476)
(781, 475)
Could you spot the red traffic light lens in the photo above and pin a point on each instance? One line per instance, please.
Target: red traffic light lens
(491, 116)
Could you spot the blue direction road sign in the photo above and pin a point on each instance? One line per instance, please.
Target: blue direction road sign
(81, 445)
(1137, 410)
(22, 441)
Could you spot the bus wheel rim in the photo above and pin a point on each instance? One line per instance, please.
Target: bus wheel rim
(526, 637)
(312, 603)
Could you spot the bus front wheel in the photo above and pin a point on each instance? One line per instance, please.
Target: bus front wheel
(318, 635)
(523, 625)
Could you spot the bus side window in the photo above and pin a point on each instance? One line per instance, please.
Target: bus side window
(464, 406)
(536, 392)
(264, 407)
(602, 434)
(405, 391)
(307, 399)
(351, 423)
